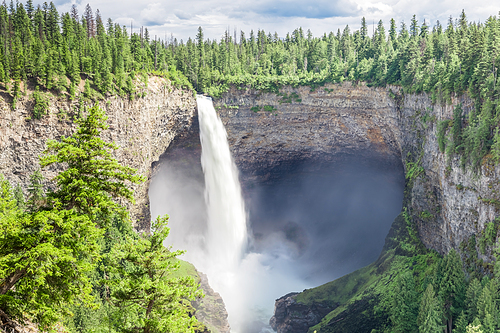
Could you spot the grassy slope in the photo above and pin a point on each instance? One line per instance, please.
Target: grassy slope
(361, 295)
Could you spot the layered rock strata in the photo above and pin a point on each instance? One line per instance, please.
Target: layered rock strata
(382, 125)
(449, 203)
(142, 128)
(268, 131)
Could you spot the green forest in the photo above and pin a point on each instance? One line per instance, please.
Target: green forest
(69, 258)
(57, 51)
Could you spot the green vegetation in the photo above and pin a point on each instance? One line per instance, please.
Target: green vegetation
(408, 289)
(293, 97)
(269, 108)
(56, 51)
(71, 254)
(41, 104)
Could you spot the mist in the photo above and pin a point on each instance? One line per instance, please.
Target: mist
(330, 220)
(306, 227)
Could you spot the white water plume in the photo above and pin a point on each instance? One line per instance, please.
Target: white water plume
(303, 230)
(227, 227)
(226, 237)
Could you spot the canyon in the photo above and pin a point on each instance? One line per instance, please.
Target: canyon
(272, 133)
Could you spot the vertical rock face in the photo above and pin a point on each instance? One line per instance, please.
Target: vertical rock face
(211, 310)
(293, 317)
(142, 128)
(267, 131)
(448, 203)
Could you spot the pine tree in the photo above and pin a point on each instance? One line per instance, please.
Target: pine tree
(144, 284)
(461, 323)
(452, 287)
(414, 29)
(486, 303)
(93, 177)
(473, 292)
(404, 304)
(429, 316)
(89, 19)
(19, 196)
(47, 253)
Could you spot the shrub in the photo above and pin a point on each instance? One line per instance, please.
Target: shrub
(41, 104)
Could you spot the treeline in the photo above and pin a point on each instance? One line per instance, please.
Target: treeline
(461, 57)
(56, 51)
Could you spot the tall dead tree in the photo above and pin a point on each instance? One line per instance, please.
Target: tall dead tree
(89, 18)
(74, 13)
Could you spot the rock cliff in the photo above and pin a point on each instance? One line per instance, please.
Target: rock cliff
(268, 131)
(449, 204)
(143, 129)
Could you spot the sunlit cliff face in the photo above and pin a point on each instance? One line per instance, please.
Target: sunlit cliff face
(309, 222)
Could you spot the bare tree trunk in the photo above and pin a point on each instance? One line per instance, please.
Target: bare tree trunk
(6, 322)
(11, 280)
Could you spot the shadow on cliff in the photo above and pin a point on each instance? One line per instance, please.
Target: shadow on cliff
(329, 221)
(310, 222)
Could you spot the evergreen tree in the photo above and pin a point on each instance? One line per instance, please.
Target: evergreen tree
(404, 304)
(429, 316)
(93, 177)
(144, 283)
(451, 287)
(461, 323)
(472, 295)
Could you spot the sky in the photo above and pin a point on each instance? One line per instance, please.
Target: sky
(181, 19)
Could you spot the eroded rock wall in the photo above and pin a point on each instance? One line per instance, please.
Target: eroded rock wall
(450, 203)
(143, 129)
(322, 126)
(384, 126)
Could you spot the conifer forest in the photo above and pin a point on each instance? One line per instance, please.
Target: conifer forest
(70, 260)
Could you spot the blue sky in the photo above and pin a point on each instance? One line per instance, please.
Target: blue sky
(182, 18)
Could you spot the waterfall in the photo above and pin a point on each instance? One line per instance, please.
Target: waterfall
(227, 228)
(226, 236)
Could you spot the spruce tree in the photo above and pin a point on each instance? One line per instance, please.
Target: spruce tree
(144, 283)
(452, 287)
(429, 316)
(404, 304)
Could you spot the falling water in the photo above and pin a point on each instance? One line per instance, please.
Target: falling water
(305, 232)
(226, 237)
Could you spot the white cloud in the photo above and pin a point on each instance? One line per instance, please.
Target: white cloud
(153, 14)
(182, 18)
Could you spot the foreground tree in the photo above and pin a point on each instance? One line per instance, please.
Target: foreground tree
(145, 287)
(47, 252)
(429, 317)
(93, 177)
(404, 304)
